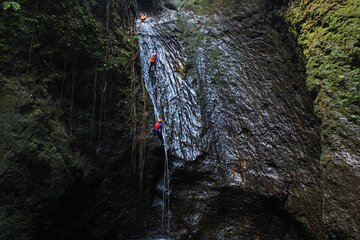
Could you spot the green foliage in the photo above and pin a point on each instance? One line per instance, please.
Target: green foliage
(7, 5)
(51, 52)
(329, 35)
(37, 158)
(44, 36)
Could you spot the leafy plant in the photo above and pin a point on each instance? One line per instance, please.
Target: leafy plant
(7, 5)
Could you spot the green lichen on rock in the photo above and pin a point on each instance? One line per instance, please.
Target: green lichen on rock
(196, 40)
(328, 32)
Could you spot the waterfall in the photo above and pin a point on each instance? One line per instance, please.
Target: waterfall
(173, 96)
(149, 45)
(165, 216)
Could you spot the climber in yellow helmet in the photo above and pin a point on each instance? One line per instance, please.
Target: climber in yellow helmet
(143, 17)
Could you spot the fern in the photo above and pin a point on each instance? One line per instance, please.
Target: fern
(7, 5)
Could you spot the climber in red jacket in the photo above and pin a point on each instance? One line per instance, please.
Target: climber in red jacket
(158, 127)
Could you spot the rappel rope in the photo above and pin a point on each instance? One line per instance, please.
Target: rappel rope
(151, 82)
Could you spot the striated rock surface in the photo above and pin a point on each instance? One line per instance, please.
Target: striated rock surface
(244, 141)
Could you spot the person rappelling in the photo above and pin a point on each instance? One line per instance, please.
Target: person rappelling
(158, 128)
(153, 60)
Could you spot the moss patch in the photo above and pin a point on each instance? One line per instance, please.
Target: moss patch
(37, 161)
(329, 33)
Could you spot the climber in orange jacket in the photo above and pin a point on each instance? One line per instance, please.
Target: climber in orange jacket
(153, 60)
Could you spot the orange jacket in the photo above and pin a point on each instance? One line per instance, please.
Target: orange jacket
(153, 58)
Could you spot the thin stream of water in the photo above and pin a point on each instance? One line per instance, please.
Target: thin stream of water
(146, 49)
(174, 98)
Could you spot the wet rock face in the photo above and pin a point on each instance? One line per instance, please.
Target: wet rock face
(341, 173)
(239, 123)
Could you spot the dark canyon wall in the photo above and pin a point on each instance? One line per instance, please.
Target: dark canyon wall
(262, 132)
(66, 129)
(328, 33)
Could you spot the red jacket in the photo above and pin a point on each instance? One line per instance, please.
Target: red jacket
(157, 126)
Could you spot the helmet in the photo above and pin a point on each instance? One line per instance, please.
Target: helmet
(160, 120)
